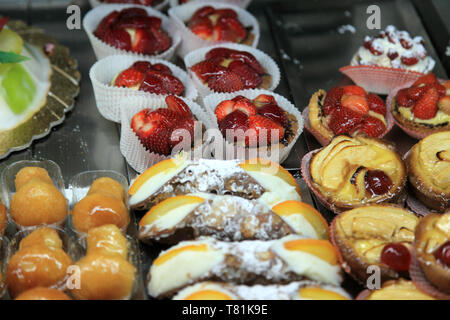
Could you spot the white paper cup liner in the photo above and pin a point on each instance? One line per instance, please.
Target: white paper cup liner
(199, 55)
(102, 49)
(132, 149)
(160, 6)
(240, 3)
(109, 99)
(181, 14)
(233, 151)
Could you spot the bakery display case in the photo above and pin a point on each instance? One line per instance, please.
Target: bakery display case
(276, 150)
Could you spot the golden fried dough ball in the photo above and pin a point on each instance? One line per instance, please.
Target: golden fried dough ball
(98, 209)
(108, 240)
(109, 187)
(36, 266)
(41, 293)
(43, 236)
(37, 203)
(28, 173)
(3, 219)
(104, 277)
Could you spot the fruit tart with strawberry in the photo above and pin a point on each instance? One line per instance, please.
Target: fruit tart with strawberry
(221, 24)
(346, 110)
(424, 107)
(153, 78)
(228, 70)
(161, 130)
(257, 122)
(133, 29)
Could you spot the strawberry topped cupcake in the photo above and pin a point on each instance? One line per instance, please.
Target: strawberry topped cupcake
(346, 110)
(423, 108)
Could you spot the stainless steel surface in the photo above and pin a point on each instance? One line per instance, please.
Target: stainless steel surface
(302, 36)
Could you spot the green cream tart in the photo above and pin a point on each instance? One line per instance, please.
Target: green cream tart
(439, 118)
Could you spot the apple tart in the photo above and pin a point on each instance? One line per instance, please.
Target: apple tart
(432, 250)
(378, 235)
(354, 171)
(428, 165)
(299, 290)
(228, 218)
(291, 258)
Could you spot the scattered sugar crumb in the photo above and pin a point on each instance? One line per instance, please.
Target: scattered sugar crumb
(346, 27)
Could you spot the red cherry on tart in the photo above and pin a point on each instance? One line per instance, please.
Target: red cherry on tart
(424, 107)
(442, 254)
(229, 70)
(396, 256)
(213, 24)
(132, 29)
(162, 129)
(156, 79)
(259, 122)
(347, 110)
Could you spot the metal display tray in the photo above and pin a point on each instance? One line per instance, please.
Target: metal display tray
(310, 42)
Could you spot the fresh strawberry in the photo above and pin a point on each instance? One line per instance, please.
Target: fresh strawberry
(226, 13)
(203, 12)
(409, 61)
(355, 103)
(159, 141)
(206, 69)
(403, 98)
(143, 42)
(440, 89)
(426, 107)
(225, 81)
(138, 22)
(106, 24)
(242, 98)
(354, 90)
(429, 78)
(444, 104)
(222, 32)
(203, 30)
(263, 99)
(163, 41)
(343, 120)
(118, 38)
(245, 106)
(129, 78)
(166, 116)
(142, 66)
(332, 100)
(143, 124)
(133, 12)
(160, 67)
(415, 93)
(178, 105)
(160, 83)
(248, 75)
(262, 126)
(183, 129)
(376, 104)
(219, 52)
(371, 127)
(234, 24)
(236, 120)
(247, 58)
(275, 113)
(223, 109)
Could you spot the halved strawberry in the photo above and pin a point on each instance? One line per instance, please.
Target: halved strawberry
(275, 113)
(355, 103)
(226, 13)
(163, 41)
(444, 104)
(129, 78)
(429, 78)
(426, 107)
(178, 105)
(225, 81)
(118, 38)
(223, 109)
(234, 24)
(143, 42)
(371, 126)
(354, 90)
(376, 104)
(133, 12)
(182, 129)
(236, 120)
(332, 99)
(248, 75)
(440, 89)
(222, 32)
(138, 22)
(161, 83)
(219, 53)
(106, 24)
(262, 126)
(166, 116)
(403, 98)
(160, 67)
(245, 106)
(142, 66)
(143, 124)
(409, 61)
(247, 58)
(415, 93)
(203, 12)
(205, 69)
(159, 141)
(152, 83)
(343, 120)
(242, 98)
(263, 99)
(203, 30)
